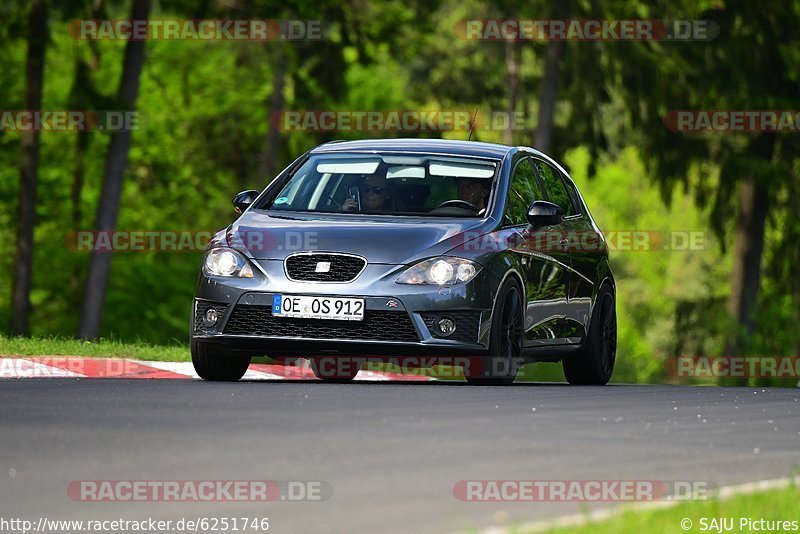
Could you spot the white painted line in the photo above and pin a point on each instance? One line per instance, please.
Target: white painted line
(371, 375)
(261, 375)
(181, 368)
(754, 487)
(22, 368)
(187, 369)
(25, 368)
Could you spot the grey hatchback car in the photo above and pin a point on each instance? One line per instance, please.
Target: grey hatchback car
(413, 251)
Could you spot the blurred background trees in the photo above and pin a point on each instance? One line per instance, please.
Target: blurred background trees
(37, 39)
(205, 110)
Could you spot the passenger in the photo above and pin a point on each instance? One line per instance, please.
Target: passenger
(474, 191)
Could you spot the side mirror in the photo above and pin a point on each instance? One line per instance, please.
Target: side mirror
(243, 200)
(543, 213)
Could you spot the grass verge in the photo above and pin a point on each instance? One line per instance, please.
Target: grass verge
(771, 506)
(102, 348)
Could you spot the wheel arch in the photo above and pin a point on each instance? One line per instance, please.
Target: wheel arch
(607, 280)
(514, 275)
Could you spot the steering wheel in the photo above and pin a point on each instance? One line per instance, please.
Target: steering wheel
(463, 204)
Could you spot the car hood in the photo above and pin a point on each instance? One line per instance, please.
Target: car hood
(395, 241)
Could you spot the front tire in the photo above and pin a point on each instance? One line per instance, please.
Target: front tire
(594, 363)
(505, 341)
(335, 370)
(215, 365)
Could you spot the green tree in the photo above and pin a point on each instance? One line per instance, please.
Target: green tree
(38, 35)
(744, 177)
(116, 163)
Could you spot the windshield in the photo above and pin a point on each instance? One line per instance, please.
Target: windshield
(389, 184)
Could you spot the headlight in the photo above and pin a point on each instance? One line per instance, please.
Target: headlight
(226, 262)
(440, 271)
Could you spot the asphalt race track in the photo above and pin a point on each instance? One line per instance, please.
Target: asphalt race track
(391, 451)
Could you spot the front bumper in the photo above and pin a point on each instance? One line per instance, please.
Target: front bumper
(398, 318)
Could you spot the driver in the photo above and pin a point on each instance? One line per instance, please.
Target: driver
(376, 195)
(474, 191)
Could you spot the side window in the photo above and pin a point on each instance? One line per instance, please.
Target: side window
(555, 188)
(524, 190)
(573, 193)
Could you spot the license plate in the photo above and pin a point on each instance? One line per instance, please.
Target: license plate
(307, 307)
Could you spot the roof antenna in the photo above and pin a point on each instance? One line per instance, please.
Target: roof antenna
(472, 124)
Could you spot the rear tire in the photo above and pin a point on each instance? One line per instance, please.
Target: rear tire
(335, 370)
(505, 341)
(216, 365)
(594, 363)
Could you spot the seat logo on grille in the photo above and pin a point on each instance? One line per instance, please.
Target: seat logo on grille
(323, 267)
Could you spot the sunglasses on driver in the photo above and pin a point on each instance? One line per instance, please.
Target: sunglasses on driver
(366, 188)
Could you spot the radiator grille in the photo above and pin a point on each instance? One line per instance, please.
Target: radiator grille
(342, 268)
(376, 325)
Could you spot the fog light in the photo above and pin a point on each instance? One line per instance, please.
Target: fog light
(446, 326)
(211, 317)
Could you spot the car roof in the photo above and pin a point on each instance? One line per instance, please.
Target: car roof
(430, 146)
